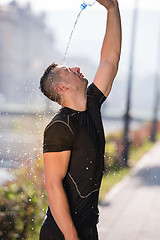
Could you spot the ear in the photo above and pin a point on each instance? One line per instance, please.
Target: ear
(61, 87)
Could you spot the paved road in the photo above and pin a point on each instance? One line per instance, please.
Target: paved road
(131, 210)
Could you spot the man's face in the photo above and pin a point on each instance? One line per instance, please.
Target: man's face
(73, 77)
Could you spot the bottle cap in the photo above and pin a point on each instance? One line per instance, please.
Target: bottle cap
(83, 6)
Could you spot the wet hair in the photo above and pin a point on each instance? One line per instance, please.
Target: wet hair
(48, 83)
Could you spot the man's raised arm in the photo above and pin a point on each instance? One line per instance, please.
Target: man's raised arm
(111, 48)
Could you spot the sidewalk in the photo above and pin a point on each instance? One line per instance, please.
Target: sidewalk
(131, 210)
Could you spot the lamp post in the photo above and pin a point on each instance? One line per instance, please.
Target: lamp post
(155, 113)
(127, 116)
(157, 96)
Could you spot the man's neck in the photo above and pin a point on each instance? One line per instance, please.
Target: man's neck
(78, 104)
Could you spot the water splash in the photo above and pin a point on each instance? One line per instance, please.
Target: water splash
(63, 61)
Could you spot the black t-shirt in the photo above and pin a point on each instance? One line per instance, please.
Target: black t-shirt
(81, 133)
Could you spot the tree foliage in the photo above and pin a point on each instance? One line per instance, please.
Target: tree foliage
(22, 205)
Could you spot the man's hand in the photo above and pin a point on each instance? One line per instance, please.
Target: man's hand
(109, 4)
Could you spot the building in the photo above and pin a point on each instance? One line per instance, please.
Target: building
(26, 48)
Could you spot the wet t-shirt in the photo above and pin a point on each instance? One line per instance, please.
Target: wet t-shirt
(81, 133)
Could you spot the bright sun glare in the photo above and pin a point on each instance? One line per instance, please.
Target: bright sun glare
(40, 5)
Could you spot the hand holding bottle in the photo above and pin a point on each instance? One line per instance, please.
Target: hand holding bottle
(109, 4)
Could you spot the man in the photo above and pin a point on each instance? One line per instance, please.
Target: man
(74, 140)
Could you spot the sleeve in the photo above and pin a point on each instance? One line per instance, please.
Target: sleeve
(93, 91)
(57, 137)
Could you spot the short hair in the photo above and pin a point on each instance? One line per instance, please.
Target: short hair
(48, 82)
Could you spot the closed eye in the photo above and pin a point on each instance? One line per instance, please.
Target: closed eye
(71, 71)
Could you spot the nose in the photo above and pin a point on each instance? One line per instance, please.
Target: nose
(75, 69)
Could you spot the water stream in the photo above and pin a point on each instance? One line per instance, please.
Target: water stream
(63, 61)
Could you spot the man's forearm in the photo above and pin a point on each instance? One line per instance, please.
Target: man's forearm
(60, 210)
(111, 47)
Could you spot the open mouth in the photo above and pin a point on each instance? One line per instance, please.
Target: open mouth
(81, 75)
(78, 74)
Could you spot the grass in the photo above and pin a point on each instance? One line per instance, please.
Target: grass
(114, 173)
(112, 176)
(158, 136)
(137, 152)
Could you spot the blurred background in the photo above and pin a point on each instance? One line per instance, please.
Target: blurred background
(33, 34)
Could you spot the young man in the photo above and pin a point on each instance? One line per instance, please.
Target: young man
(74, 140)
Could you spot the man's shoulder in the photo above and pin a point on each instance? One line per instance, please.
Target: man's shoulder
(95, 95)
(58, 135)
(59, 122)
(61, 115)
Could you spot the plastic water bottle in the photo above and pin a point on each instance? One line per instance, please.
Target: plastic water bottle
(87, 3)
